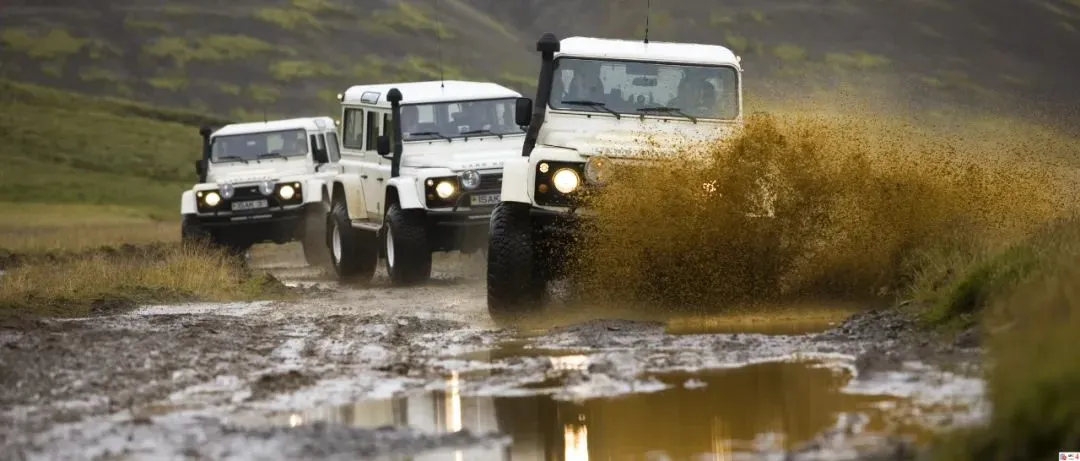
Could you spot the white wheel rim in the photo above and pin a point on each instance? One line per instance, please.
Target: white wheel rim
(336, 243)
(389, 247)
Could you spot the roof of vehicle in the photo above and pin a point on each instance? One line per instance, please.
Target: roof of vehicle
(428, 92)
(304, 123)
(609, 48)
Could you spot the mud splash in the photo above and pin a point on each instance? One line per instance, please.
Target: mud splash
(855, 206)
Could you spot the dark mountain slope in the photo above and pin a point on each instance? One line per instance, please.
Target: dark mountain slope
(291, 56)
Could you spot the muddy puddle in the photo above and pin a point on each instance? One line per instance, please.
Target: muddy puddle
(773, 407)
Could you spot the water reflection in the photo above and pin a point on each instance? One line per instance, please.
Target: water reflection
(759, 406)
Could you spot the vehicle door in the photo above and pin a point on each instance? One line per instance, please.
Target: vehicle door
(375, 170)
(325, 144)
(353, 158)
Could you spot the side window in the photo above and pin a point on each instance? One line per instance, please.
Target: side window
(354, 129)
(332, 147)
(372, 129)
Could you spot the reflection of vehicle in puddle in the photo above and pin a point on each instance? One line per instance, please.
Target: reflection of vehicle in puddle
(762, 407)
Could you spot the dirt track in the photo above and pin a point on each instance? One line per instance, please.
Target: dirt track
(386, 373)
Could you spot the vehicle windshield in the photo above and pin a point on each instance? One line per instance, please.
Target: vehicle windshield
(448, 120)
(645, 88)
(255, 146)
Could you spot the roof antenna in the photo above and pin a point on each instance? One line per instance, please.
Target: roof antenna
(439, 35)
(648, 12)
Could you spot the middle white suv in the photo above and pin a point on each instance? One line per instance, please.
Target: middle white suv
(422, 171)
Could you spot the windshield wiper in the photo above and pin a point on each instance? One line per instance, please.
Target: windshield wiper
(430, 133)
(232, 157)
(500, 135)
(595, 105)
(668, 110)
(271, 154)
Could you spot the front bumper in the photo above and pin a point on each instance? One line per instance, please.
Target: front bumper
(287, 214)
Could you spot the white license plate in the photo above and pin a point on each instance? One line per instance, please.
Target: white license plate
(249, 205)
(484, 199)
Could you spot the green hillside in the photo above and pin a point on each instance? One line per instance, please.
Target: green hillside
(292, 56)
(119, 87)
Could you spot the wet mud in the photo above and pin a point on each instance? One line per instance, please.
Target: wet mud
(424, 373)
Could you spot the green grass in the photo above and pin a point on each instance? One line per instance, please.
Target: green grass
(51, 45)
(289, 19)
(406, 18)
(293, 70)
(209, 48)
(68, 148)
(1034, 381)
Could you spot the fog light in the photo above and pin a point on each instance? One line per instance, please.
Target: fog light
(596, 169)
(470, 180)
(212, 199)
(266, 187)
(445, 189)
(286, 192)
(227, 191)
(566, 180)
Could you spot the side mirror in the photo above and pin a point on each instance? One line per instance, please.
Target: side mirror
(523, 111)
(382, 145)
(320, 156)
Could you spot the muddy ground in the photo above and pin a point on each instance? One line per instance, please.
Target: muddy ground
(424, 373)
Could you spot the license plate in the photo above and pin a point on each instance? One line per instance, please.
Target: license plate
(484, 199)
(249, 205)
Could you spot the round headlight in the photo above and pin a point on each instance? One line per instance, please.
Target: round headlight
(470, 180)
(286, 192)
(266, 187)
(566, 180)
(596, 169)
(212, 199)
(445, 189)
(227, 191)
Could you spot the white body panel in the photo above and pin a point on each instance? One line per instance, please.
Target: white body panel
(575, 135)
(365, 180)
(301, 168)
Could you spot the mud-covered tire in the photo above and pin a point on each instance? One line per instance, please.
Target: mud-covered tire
(514, 285)
(192, 232)
(316, 250)
(408, 256)
(354, 253)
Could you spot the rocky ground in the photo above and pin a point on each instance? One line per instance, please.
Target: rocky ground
(337, 375)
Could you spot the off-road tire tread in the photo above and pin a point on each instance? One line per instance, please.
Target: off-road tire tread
(513, 283)
(411, 251)
(316, 251)
(359, 256)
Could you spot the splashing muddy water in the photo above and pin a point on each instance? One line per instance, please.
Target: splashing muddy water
(854, 204)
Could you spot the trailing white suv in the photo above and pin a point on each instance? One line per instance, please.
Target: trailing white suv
(598, 102)
(263, 182)
(422, 170)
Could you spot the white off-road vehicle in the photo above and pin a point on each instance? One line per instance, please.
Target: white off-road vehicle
(598, 101)
(264, 182)
(422, 171)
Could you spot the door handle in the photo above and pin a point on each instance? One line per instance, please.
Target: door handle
(364, 176)
(378, 179)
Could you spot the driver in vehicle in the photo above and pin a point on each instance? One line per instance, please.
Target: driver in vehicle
(410, 120)
(292, 145)
(696, 96)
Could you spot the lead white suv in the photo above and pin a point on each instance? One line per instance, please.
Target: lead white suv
(425, 184)
(598, 101)
(263, 182)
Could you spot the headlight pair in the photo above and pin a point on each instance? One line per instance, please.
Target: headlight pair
(444, 189)
(558, 182)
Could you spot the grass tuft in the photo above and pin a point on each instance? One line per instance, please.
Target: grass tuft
(100, 282)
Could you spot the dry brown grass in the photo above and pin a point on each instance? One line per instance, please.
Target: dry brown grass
(103, 281)
(859, 206)
(37, 228)
(73, 260)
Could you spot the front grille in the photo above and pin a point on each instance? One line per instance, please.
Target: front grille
(490, 182)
